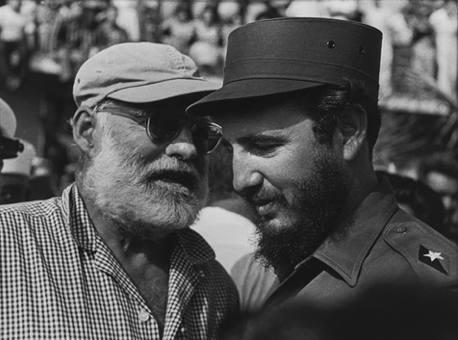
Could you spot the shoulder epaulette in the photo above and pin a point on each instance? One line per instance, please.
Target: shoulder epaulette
(431, 255)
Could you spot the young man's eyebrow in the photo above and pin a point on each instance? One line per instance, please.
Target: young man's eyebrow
(262, 138)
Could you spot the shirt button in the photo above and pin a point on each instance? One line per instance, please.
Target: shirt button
(143, 316)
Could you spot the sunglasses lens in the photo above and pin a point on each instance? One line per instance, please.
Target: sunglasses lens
(163, 129)
(206, 138)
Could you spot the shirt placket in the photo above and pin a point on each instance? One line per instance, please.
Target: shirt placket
(183, 283)
(106, 263)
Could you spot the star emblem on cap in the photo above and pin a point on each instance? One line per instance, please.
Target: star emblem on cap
(433, 255)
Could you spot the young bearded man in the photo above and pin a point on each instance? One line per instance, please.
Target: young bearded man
(298, 108)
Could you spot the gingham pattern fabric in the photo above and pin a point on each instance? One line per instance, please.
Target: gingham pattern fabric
(59, 280)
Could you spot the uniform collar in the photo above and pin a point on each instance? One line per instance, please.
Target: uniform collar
(346, 251)
(194, 247)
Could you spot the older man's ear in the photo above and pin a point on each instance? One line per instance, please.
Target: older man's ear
(83, 128)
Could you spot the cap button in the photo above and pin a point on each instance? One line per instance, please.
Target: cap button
(331, 44)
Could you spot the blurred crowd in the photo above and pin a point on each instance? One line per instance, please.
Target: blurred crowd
(57, 36)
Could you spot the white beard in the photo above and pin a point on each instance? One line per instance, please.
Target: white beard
(119, 181)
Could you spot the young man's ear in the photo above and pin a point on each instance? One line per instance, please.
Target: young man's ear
(83, 128)
(352, 126)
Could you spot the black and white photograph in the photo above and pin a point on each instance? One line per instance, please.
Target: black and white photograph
(229, 169)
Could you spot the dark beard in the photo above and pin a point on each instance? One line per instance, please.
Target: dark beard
(318, 202)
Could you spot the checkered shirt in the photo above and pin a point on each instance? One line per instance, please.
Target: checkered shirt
(59, 280)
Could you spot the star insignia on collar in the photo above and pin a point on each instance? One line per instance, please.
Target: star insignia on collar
(433, 255)
(429, 257)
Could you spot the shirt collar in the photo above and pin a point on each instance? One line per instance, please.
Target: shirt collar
(195, 248)
(78, 220)
(345, 252)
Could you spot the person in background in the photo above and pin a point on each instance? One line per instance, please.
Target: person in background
(114, 257)
(9, 147)
(230, 21)
(389, 19)
(421, 49)
(149, 17)
(179, 30)
(108, 32)
(206, 50)
(73, 38)
(13, 44)
(298, 108)
(444, 23)
(15, 175)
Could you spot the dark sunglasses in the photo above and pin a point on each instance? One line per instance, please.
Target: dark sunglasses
(9, 148)
(163, 129)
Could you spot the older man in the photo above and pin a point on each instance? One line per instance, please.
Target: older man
(113, 258)
(299, 110)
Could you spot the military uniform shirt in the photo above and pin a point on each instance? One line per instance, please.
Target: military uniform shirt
(59, 280)
(379, 244)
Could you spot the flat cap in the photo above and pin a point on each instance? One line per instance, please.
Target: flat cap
(138, 72)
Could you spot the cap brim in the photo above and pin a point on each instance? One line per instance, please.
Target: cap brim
(164, 90)
(249, 88)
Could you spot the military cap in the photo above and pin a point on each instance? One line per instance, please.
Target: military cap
(288, 54)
